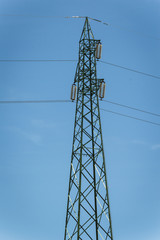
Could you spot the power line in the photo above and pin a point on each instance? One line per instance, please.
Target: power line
(38, 60)
(62, 101)
(100, 21)
(130, 69)
(133, 108)
(122, 27)
(135, 118)
(29, 15)
(73, 60)
(35, 101)
(43, 16)
(67, 101)
(94, 19)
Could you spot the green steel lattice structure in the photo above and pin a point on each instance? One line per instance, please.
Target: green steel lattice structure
(88, 211)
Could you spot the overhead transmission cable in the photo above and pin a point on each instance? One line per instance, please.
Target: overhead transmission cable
(128, 116)
(93, 19)
(62, 101)
(128, 30)
(130, 69)
(73, 60)
(37, 60)
(30, 15)
(133, 108)
(67, 101)
(34, 101)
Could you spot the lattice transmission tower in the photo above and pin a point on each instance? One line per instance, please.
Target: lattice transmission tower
(88, 210)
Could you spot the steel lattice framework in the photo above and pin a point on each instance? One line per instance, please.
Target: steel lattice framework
(88, 211)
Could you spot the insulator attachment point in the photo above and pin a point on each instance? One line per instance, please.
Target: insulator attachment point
(102, 88)
(98, 52)
(73, 92)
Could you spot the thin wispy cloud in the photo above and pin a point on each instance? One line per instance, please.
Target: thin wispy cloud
(10, 236)
(153, 1)
(42, 124)
(155, 235)
(34, 138)
(149, 145)
(156, 147)
(147, 235)
(31, 136)
(140, 142)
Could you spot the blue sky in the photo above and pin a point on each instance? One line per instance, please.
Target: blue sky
(36, 139)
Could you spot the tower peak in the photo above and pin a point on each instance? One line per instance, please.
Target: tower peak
(87, 31)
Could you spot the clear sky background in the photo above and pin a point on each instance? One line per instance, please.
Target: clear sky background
(36, 139)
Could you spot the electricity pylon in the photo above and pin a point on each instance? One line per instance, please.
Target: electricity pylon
(88, 211)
